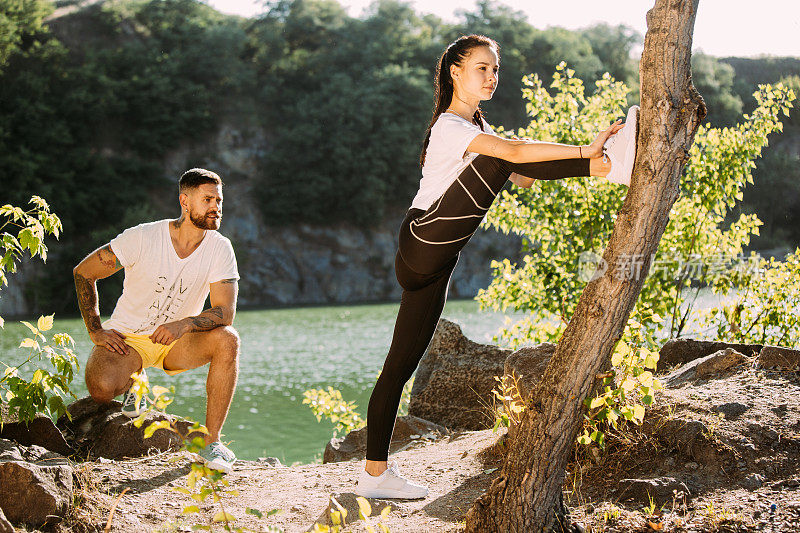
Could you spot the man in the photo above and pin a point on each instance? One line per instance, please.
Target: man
(171, 266)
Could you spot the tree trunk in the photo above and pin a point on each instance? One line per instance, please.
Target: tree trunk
(527, 495)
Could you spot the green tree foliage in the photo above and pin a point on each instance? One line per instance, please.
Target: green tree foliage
(548, 282)
(350, 135)
(613, 46)
(85, 124)
(18, 19)
(714, 80)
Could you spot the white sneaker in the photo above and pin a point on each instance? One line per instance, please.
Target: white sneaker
(620, 148)
(132, 406)
(218, 456)
(390, 484)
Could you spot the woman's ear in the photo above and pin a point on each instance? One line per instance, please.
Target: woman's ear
(454, 72)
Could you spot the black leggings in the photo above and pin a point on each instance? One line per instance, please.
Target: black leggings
(430, 243)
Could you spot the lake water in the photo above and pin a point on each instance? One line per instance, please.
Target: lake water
(285, 352)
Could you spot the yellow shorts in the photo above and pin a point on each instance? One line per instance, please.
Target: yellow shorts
(152, 354)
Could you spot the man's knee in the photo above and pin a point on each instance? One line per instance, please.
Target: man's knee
(226, 341)
(100, 388)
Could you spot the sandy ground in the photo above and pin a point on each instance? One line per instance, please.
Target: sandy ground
(739, 471)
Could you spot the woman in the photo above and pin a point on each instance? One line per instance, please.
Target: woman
(464, 167)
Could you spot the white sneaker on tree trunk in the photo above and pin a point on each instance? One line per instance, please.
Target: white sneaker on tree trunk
(620, 148)
(390, 484)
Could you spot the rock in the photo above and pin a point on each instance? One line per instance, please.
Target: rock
(779, 358)
(270, 461)
(731, 410)
(406, 429)
(348, 502)
(681, 434)
(705, 367)
(36, 483)
(454, 382)
(101, 430)
(660, 490)
(753, 481)
(11, 451)
(5, 525)
(762, 434)
(41, 431)
(682, 351)
(528, 364)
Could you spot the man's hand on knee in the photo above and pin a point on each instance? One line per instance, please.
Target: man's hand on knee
(111, 340)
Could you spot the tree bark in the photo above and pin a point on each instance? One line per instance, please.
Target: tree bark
(527, 495)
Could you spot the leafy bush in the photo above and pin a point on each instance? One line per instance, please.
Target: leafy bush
(330, 404)
(25, 231)
(697, 247)
(766, 305)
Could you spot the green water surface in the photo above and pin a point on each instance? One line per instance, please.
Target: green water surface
(284, 352)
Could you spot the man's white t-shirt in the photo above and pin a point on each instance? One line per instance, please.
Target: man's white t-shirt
(446, 156)
(161, 287)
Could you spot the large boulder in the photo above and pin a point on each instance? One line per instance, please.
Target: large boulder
(101, 430)
(779, 358)
(705, 367)
(36, 484)
(454, 381)
(407, 429)
(659, 491)
(40, 431)
(681, 351)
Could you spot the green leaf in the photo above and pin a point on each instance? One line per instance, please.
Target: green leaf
(56, 405)
(223, 516)
(29, 343)
(364, 508)
(190, 509)
(30, 326)
(45, 323)
(155, 426)
(599, 401)
(255, 512)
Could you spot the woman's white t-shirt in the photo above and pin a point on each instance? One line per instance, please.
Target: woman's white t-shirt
(446, 156)
(161, 287)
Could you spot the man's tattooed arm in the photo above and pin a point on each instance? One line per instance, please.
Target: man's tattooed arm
(108, 258)
(87, 302)
(207, 320)
(223, 307)
(97, 265)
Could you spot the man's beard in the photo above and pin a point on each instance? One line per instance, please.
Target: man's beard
(204, 221)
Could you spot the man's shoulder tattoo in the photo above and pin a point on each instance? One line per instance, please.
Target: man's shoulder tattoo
(107, 257)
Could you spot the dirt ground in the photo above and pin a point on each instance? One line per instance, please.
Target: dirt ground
(701, 472)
